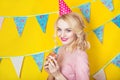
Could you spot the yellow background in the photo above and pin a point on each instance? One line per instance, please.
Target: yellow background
(34, 40)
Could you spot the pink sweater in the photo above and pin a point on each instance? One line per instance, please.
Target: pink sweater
(74, 66)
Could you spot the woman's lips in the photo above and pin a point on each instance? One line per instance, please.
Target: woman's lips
(64, 39)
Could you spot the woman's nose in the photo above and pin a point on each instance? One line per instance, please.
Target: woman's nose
(63, 34)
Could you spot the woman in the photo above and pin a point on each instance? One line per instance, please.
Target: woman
(72, 60)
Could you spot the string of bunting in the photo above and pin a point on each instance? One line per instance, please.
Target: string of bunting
(38, 57)
(100, 75)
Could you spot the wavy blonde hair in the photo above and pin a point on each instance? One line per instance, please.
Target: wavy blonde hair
(75, 21)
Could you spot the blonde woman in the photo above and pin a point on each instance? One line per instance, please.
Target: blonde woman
(72, 60)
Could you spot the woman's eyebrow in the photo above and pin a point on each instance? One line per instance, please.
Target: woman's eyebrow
(69, 28)
(65, 28)
(58, 27)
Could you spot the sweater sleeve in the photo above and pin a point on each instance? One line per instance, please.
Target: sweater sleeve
(81, 66)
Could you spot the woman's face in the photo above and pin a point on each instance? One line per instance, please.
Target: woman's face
(65, 32)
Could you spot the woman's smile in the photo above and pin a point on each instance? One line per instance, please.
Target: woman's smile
(64, 39)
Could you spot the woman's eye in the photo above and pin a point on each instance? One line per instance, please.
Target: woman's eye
(58, 29)
(68, 30)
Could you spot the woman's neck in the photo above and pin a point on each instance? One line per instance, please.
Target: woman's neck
(69, 48)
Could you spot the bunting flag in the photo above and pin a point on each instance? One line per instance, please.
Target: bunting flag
(17, 63)
(85, 9)
(39, 58)
(108, 4)
(100, 75)
(1, 21)
(116, 61)
(116, 20)
(42, 20)
(20, 23)
(99, 33)
(56, 49)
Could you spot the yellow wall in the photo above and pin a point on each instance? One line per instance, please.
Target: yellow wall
(34, 40)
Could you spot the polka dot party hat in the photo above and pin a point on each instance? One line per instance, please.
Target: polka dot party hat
(63, 8)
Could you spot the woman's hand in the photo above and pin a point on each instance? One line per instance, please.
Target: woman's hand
(51, 66)
(47, 61)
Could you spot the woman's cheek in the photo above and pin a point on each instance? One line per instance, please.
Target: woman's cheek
(58, 34)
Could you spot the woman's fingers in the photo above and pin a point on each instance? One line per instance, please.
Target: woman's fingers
(52, 68)
(53, 60)
(51, 64)
(46, 66)
(46, 63)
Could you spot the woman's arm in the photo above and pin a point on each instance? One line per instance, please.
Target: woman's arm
(60, 77)
(82, 67)
(50, 77)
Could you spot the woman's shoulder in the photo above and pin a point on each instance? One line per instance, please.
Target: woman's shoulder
(81, 56)
(81, 53)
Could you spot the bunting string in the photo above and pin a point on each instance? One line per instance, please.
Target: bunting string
(31, 54)
(31, 15)
(55, 12)
(38, 57)
(103, 23)
(107, 63)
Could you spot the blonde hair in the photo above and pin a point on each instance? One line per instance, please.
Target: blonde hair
(75, 21)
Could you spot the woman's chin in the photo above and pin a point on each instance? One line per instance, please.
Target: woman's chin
(64, 43)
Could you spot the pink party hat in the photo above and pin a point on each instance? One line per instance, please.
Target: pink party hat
(63, 8)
